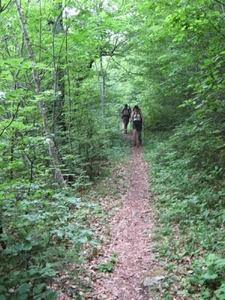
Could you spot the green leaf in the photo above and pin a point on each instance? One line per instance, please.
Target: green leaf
(23, 288)
(50, 294)
(82, 239)
(38, 288)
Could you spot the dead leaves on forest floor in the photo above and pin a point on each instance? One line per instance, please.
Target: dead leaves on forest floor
(119, 267)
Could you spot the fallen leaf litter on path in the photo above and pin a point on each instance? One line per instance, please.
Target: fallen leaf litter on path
(130, 238)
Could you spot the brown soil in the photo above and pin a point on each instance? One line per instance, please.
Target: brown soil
(129, 236)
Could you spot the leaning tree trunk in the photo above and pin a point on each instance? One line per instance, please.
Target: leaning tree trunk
(51, 145)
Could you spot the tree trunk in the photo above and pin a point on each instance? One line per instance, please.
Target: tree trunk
(58, 77)
(102, 86)
(51, 146)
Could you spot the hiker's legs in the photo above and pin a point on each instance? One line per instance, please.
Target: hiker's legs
(139, 137)
(125, 123)
(135, 136)
(137, 126)
(136, 130)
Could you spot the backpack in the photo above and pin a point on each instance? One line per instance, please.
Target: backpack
(126, 111)
(137, 116)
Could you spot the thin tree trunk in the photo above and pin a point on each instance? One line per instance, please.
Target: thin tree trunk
(58, 76)
(51, 146)
(102, 86)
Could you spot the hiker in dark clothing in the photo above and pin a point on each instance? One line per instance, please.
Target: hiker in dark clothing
(125, 114)
(137, 119)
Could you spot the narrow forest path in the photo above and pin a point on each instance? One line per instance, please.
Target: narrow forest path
(130, 236)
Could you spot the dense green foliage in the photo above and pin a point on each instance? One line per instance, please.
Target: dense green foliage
(190, 205)
(66, 68)
(188, 162)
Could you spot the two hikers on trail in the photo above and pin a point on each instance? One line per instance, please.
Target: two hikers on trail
(137, 119)
(125, 114)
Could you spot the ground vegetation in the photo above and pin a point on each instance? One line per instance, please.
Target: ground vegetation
(66, 70)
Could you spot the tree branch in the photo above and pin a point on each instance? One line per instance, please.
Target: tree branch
(13, 118)
(4, 7)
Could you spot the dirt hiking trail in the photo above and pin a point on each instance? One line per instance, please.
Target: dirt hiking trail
(130, 236)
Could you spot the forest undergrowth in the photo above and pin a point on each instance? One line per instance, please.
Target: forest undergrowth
(189, 232)
(188, 235)
(52, 252)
